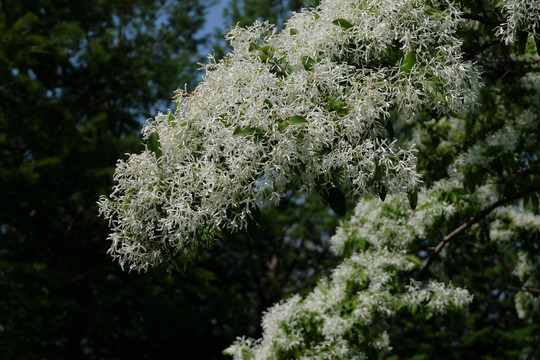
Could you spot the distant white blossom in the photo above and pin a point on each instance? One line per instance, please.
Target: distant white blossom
(516, 224)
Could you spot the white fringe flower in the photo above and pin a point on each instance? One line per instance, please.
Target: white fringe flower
(310, 107)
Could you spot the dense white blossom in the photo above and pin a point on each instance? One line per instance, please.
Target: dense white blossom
(361, 290)
(521, 16)
(309, 107)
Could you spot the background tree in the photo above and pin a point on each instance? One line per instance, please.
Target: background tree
(407, 57)
(77, 81)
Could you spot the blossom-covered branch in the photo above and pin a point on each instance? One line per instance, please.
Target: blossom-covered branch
(348, 314)
(478, 217)
(310, 108)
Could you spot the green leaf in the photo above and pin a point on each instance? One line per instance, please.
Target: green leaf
(282, 125)
(294, 32)
(379, 172)
(254, 47)
(343, 23)
(522, 41)
(431, 11)
(153, 144)
(297, 120)
(436, 89)
(268, 104)
(362, 276)
(322, 288)
(308, 63)
(391, 55)
(414, 259)
(360, 244)
(382, 194)
(400, 304)
(242, 131)
(171, 117)
(337, 201)
(390, 129)
(413, 198)
(408, 62)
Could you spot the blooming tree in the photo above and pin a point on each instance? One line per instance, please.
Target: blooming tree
(315, 108)
(310, 107)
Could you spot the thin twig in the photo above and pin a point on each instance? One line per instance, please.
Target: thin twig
(525, 289)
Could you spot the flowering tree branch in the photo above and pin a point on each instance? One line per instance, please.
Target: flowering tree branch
(309, 108)
(479, 216)
(312, 109)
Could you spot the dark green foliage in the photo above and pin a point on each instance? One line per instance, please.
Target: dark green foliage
(337, 201)
(413, 198)
(78, 79)
(297, 120)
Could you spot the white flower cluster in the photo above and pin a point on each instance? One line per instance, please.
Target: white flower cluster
(340, 318)
(515, 224)
(512, 220)
(521, 16)
(310, 107)
(517, 135)
(527, 270)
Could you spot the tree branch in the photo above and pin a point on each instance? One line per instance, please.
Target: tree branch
(481, 19)
(525, 289)
(481, 215)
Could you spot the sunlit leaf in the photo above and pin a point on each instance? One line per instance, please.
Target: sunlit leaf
(343, 23)
(297, 120)
(408, 62)
(242, 131)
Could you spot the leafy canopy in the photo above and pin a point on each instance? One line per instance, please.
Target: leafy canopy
(315, 109)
